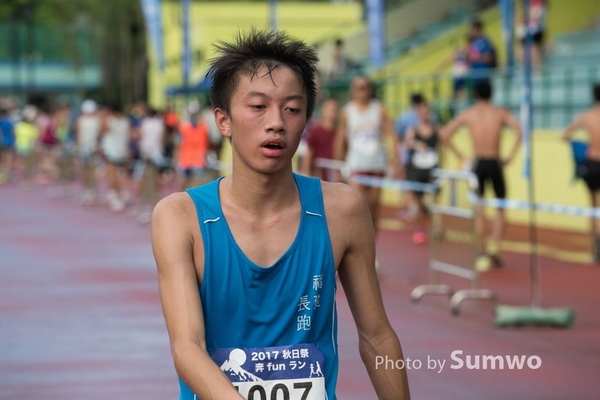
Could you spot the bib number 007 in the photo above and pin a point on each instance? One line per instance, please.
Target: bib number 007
(279, 391)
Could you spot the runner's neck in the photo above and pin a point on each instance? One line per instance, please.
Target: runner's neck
(260, 193)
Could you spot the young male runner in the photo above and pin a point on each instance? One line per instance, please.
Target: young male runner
(485, 123)
(590, 122)
(360, 141)
(247, 264)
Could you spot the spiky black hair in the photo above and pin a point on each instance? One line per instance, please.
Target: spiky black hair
(258, 49)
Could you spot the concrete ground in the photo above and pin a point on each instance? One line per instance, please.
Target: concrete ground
(80, 315)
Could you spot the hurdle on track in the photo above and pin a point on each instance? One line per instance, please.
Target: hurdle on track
(442, 179)
(451, 179)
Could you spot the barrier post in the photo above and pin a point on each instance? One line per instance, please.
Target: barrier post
(436, 265)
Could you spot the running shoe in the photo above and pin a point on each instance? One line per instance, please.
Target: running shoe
(483, 263)
(419, 237)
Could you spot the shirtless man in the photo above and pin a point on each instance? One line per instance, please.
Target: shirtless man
(247, 264)
(590, 122)
(485, 123)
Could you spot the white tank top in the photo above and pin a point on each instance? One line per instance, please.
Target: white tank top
(366, 150)
(88, 131)
(151, 142)
(116, 140)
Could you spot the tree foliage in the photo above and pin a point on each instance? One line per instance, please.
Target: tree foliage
(119, 34)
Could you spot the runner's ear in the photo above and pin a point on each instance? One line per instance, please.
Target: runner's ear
(223, 122)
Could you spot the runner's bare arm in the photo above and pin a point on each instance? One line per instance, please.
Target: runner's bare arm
(173, 246)
(359, 280)
(511, 122)
(77, 132)
(339, 150)
(340, 144)
(578, 123)
(410, 138)
(103, 124)
(447, 131)
(388, 129)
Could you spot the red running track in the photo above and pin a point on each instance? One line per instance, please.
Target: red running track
(80, 316)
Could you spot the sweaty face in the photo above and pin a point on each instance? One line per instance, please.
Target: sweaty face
(266, 119)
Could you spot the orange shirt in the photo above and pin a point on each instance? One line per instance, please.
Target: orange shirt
(171, 119)
(194, 145)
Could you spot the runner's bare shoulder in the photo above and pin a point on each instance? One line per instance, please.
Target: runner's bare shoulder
(179, 202)
(174, 211)
(344, 205)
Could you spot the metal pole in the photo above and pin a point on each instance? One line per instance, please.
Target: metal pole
(527, 115)
(273, 14)
(376, 28)
(508, 33)
(187, 53)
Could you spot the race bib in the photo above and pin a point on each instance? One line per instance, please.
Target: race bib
(425, 159)
(294, 372)
(367, 144)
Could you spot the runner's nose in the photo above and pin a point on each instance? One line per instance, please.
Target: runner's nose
(275, 121)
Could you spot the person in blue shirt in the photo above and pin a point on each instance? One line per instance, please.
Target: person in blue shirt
(7, 145)
(247, 264)
(482, 54)
(589, 166)
(406, 121)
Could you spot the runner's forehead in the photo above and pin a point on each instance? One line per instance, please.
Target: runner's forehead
(266, 82)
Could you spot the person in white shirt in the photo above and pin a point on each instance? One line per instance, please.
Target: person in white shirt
(116, 133)
(86, 139)
(152, 141)
(360, 141)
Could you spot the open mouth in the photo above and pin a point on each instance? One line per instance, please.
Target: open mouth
(274, 146)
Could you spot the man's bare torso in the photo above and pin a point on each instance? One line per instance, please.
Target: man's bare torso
(591, 121)
(485, 123)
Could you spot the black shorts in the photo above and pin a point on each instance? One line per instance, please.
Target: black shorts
(418, 175)
(537, 38)
(591, 175)
(490, 170)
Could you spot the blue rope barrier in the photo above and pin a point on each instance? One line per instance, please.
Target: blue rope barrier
(544, 207)
(395, 184)
(442, 174)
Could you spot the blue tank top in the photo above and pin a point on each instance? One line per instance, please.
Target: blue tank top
(272, 331)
